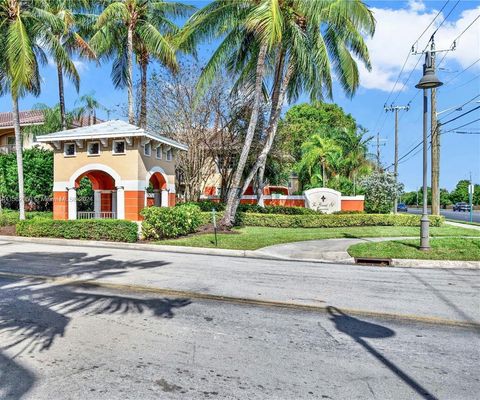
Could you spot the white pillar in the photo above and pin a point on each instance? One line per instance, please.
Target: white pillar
(157, 198)
(120, 202)
(72, 203)
(114, 202)
(164, 198)
(97, 203)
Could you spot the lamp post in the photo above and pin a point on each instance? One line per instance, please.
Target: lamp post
(429, 81)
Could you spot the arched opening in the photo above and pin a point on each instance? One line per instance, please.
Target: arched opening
(96, 195)
(156, 185)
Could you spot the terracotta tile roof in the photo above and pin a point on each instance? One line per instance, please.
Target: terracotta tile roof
(31, 117)
(26, 118)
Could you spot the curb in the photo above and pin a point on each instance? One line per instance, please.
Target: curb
(255, 254)
(246, 301)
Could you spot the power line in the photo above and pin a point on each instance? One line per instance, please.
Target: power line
(462, 85)
(463, 70)
(460, 116)
(458, 37)
(462, 126)
(460, 107)
(405, 62)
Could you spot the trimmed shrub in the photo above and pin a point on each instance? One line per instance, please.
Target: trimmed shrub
(11, 217)
(170, 222)
(334, 221)
(255, 208)
(113, 230)
(204, 205)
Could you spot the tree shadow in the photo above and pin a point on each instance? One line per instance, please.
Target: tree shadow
(70, 264)
(34, 314)
(360, 330)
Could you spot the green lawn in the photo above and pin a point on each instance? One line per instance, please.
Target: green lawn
(252, 238)
(462, 249)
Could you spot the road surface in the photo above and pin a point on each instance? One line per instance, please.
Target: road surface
(58, 342)
(449, 214)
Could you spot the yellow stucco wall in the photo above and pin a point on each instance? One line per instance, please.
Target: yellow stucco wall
(132, 166)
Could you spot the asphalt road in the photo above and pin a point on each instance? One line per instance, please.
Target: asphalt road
(60, 342)
(456, 215)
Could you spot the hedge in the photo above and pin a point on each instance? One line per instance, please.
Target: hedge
(334, 221)
(113, 230)
(170, 222)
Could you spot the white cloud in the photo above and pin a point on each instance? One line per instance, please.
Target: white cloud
(80, 65)
(396, 32)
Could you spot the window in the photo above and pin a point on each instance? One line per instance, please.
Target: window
(118, 147)
(93, 149)
(147, 149)
(11, 140)
(69, 149)
(169, 155)
(158, 152)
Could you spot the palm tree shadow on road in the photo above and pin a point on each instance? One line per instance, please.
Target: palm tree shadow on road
(360, 330)
(33, 314)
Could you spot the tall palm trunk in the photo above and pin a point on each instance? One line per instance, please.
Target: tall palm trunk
(235, 193)
(131, 118)
(271, 132)
(19, 148)
(324, 175)
(143, 93)
(61, 95)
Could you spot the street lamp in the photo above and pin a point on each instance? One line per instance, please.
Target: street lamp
(429, 81)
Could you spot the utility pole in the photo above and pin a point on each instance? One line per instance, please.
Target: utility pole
(396, 109)
(435, 142)
(380, 142)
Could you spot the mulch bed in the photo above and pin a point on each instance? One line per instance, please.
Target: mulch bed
(8, 230)
(210, 229)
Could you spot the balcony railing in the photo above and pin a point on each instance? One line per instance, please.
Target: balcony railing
(9, 148)
(96, 215)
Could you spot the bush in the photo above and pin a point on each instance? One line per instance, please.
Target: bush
(255, 208)
(334, 221)
(170, 222)
(205, 205)
(91, 229)
(11, 217)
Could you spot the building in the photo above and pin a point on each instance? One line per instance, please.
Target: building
(125, 164)
(28, 118)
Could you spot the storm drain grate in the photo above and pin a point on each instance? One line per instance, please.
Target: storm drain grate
(382, 262)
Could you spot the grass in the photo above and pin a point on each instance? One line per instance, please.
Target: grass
(463, 222)
(462, 249)
(252, 238)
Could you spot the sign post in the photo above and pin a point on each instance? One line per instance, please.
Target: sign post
(470, 200)
(214, 220)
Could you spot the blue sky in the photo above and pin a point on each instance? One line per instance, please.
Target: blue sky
(399, 24)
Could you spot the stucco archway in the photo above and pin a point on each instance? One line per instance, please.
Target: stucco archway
(157, 179)
(109, 197)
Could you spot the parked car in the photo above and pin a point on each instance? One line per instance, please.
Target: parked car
(462, 206)
(402, 207)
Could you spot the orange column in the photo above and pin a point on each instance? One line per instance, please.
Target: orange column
(134, 203)
(60, 205)
(172, 199)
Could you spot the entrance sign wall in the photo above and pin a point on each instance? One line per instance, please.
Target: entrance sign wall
(323, 199)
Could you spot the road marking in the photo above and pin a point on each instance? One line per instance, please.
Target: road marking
(92, 283)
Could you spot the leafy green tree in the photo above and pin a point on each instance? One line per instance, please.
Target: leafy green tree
(38, 165)
(380, 191)
(460, 193)
(304, 120)
(88, 105)
(320, 154)
(24, 26)
(137, 27)
(52, 121)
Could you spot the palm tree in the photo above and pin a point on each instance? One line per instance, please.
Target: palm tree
(137, 27)
(88, 105)
(66, 40)
(319, 152)
(23, 24)
(303, 41)
(355, 162)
